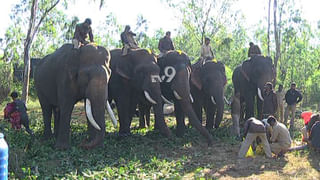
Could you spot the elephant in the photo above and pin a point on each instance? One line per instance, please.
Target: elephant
(132, 82)
(249, 79)
(208, 79)
(67, 76)
(175, 70)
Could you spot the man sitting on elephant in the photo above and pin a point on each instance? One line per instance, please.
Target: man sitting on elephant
(206, 51)
(128, 41)
(253, 50)
(81, 34)
(165, 44)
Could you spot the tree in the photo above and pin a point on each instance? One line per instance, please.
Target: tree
(268, 42)
(37, 16)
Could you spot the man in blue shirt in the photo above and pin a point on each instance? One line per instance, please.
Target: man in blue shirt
(292, 97)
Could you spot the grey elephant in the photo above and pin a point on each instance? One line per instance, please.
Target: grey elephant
(67, 76)
(249, 79)
(132, 82)
(175, 74)
(208, 79)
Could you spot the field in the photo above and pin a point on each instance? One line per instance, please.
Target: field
(147, 155)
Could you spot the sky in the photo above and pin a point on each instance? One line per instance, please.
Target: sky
(157, 13)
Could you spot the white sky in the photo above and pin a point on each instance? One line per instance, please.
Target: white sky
(158, 14)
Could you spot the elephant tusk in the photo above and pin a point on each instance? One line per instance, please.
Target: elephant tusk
(90, 116)
(191, 98)
(148, 97)
(166, 100)
(260, 95)
(226, 100)
(213, 101)
(113, 118)
(177, 95)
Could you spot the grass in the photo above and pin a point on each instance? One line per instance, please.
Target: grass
(147, 155)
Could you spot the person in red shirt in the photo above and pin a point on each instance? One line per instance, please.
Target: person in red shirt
(306, 116)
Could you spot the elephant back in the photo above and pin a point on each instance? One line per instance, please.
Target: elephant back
(175, 59)
(91, 54)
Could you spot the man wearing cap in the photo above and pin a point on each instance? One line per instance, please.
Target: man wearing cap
(206, 51)
(292, 97)
(81, 33)
(128, 41)
(165, 44)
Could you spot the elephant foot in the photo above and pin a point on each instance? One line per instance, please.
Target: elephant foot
(61, 146)
(166, 132)
(180, 132)
(123, 135)
(86, 144)
(46, 137)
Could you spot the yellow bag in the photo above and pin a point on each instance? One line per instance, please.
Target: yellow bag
(250, 152)
(260, 150)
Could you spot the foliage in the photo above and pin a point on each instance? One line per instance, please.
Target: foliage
(5, 80)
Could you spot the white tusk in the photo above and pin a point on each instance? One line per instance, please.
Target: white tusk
(146, 94)
(177, 95)
(213, 101)
(191, 98)
(113, 118)
(260, 95)
(226, 100)
(166, 100)
(90, 116)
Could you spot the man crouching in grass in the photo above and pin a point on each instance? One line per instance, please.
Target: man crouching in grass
(254, 128)
(280, 137)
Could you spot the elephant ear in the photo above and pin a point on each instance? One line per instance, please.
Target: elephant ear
(195, 78)
(123, 69)
(247, 69)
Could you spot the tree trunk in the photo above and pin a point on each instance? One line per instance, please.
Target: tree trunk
(33, 28)
(277, 41)
(268, 43)
(26, 55)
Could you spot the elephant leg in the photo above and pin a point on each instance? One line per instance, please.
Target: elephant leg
(62, 141)
(123, 113)
(56, 120)
(142, 116)
(259, 108)
(249, 99)
(160, 124)
(198, 110)
(180, 119)
(147, 114)
(47, 113)
(210, 110)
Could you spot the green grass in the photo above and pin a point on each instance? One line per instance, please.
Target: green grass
(146, 155)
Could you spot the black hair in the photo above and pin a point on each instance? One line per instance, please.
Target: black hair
(88, 20)
(14, 94)
(271, 119)
(270, 85)
(251, 44)
(168, 33)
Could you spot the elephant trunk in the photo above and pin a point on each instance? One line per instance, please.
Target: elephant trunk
(219, 99)
(195, 122)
